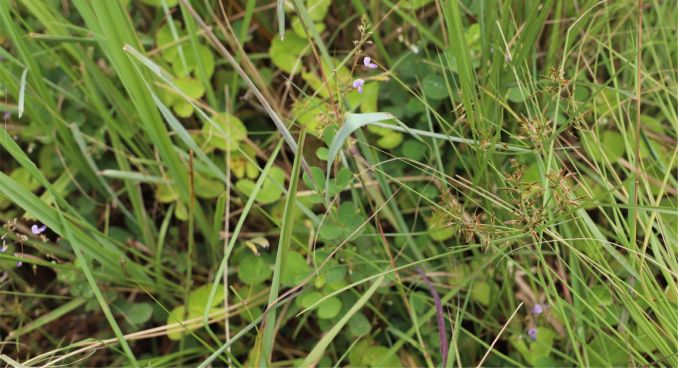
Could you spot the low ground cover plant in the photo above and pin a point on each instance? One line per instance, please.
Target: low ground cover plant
(338, 183)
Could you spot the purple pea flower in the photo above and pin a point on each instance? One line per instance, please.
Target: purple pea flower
(7, 115)
(367, 61)
(18, 263)
(358, 84)
(532, 333)
(35, 229)
(537, 309)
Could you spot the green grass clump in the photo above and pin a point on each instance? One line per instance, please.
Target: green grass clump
(233, 183)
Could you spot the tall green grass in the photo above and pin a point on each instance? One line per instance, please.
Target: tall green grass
(521, 153)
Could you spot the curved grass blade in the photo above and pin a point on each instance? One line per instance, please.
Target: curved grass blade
(356, 121)
(282, 128)
(182, 133)
(351, 123)
(309, 27)
(115, 30)
(54, 218)
(314, 356)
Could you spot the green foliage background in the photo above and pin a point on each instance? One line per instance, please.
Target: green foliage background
(216, 191)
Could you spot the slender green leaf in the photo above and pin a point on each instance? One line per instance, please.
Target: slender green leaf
(314, 356)
(22, 93)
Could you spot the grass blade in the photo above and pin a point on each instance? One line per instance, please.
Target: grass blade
(133, 176)
(280, 10)
(22, 93)
(459, 49)
(282, 128)
(48, 318)
(55, 220)
(356, 121)
(314, 356)
(283, 248)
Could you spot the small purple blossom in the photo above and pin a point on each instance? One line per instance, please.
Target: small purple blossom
(35, 229)
(4, 247)
(358, 84)
(532, 333)
(537, 309)
(7, 115)
(367, 61)
(19, 264)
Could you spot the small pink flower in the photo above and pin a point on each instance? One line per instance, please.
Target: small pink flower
(358, 84)
(367, 61)
(35, 229)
